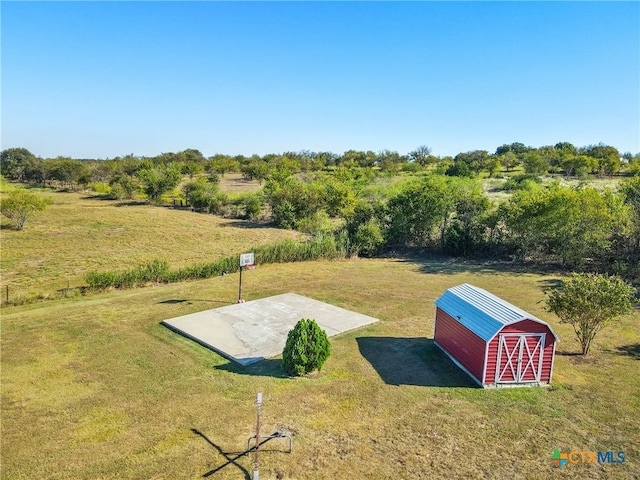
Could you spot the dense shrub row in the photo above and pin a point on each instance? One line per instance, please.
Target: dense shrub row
(326, 247)
(155, 271)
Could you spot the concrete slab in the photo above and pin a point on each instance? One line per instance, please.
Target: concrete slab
(252, 331)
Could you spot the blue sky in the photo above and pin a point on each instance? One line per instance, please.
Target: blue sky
(101, 79)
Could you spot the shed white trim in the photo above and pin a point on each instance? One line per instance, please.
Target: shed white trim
(482, 312)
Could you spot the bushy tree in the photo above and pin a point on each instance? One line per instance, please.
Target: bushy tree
(608, 158)
(339, 197)
(20, 204)
(292, 200)
(517, 148)
(307, 348)
(66, 171)
(364, 228)
(466, 233)
(574, 224)
(535, 164)
(124, 186)
(509, 160)
(316, 224)
(416, 212)
(223, 164)
(13, 162)
(159, 179)
(590, 302)
(424, 209)
(253, 203)
(356, 158)
(422, 156)
(368, 239)
(627, 251)
(578, 165)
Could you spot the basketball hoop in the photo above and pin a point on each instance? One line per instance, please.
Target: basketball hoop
(246, 259)
(250, 266)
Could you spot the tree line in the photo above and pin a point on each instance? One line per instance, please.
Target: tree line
(562, 158)
(433, 203)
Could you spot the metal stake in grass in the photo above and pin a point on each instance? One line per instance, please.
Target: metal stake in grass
(256, 462)
(265, 439)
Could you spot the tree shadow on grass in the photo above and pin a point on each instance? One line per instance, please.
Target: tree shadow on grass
(632, 350)
(412, 361)
(432, 263)
(550, 284)
(99, 196)
(269, 367)
(8, 226)
(447, 266)
(189, 301)
(247, 224)
(133, 203)
(567, 353)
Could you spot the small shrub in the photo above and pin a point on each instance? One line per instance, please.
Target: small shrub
(307, 348)
(317, 223)
(522, 182)
(253, 205)
(368, 239)
(21, 204)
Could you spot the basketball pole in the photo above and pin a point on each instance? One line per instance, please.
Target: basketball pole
(246, 259)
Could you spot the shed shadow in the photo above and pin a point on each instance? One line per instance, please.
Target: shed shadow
(412, 361)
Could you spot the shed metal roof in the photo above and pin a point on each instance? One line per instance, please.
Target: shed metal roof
(482, 312)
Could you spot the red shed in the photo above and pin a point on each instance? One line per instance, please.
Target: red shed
(495, 342)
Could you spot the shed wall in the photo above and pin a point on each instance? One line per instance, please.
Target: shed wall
(525, 326)
(461, 343)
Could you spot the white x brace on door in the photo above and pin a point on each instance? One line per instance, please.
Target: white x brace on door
(520, 357)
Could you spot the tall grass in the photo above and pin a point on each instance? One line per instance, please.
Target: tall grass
(155, 271)
(320, 247)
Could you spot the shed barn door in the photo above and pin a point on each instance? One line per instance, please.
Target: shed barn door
(520, 358)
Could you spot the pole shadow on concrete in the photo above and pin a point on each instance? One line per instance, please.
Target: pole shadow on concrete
(412, 361)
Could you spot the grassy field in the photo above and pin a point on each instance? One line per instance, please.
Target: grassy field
(94, 387)
(235, 183)
(80, 233)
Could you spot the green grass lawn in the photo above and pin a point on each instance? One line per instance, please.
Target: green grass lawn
(94, 387)
(79, 233)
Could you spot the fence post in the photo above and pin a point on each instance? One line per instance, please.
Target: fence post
(7, 293)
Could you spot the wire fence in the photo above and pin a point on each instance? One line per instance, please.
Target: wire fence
(323, 246)
(16, 294)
